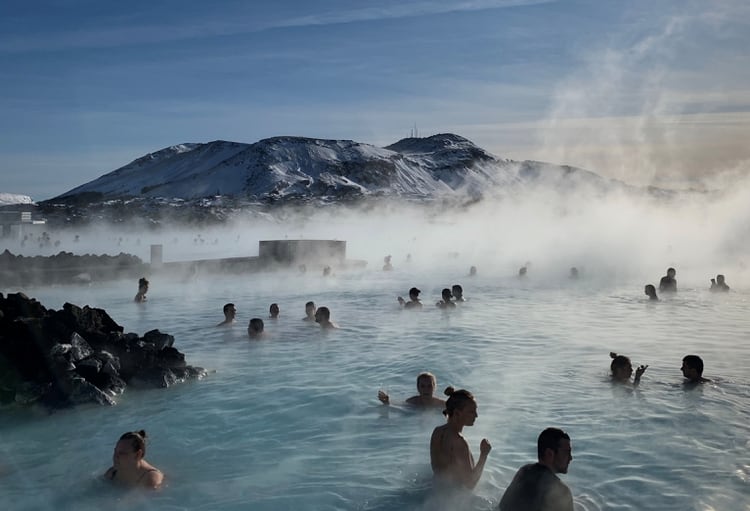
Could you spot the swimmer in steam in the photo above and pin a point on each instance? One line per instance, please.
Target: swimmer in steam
(446, 302)
(719, 284)
(273, 311)
(650, 291)
(426, 384)
(229, 314)
(129, 466)
(140, 297)
(458, 293)
(668, 283)
(536, 487)
(256, 328)
(323, 318)
(413, 302)
(450, 455)
(622, 369)
(309, 312)
(692, 369)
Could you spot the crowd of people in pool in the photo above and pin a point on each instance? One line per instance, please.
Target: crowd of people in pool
(668, 284)
(535, 486)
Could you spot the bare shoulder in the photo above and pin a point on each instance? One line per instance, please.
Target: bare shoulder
(153, 478)
(110, 473)
(439, 432)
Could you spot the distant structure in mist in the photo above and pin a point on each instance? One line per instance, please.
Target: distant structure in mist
(272, 254)
(18, 222)
(289, 252)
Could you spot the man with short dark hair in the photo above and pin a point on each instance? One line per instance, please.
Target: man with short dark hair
(309, 312)
(668, 284)
(229, 314)
(323, 318)
(692, 369)
(536, 486)
(413, 299)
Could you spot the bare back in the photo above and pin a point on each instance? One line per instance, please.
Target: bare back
(450, 455)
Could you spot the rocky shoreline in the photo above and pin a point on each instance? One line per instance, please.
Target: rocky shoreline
(79, 355)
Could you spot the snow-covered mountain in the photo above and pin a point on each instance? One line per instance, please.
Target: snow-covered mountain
(293, 168)
(7, 199)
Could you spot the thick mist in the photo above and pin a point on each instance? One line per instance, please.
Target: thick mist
(612, 237)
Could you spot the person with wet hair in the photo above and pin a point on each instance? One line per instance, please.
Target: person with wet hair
(255, 329)
(323, 318)
(140, 297)
(426, 384)
(309, 312)
(446, 302)
(413, 302)
(536, 487)
(458, 293)
(229, 314)
(650, 291)
(273, 311)
(450, 456)
(719, 284)
(668, 284)
(692, 369)
(129, 466)
(622, 369)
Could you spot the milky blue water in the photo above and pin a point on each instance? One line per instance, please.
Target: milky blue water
(293, 422)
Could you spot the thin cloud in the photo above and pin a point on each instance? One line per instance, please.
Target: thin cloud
(242, 23)
(405, 10)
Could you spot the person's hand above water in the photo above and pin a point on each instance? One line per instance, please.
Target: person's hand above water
(384, 398)
(485, 447)
(639, 372)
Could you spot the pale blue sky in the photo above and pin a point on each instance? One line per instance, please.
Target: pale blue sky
(639, 90)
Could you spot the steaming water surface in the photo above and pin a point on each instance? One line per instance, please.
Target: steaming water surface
(293, 422)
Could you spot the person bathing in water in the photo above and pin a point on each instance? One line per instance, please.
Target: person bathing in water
(668, 283)
(622, 369)
(458, 293)
(446, 302)
(256, 328)
(229, 314)
(426, 383)
(309, 312)
(323, 318)
(650, 291)
(718, 284)
(140, 297)
(413, 302)
(273, 311)
(692, 369)
(129, 466)
(450, 455)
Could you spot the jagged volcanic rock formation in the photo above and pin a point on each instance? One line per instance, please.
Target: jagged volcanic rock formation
(78, 355)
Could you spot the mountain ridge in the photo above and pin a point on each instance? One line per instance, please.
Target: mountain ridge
(292, 168)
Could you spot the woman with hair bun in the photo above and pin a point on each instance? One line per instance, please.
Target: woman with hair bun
(622, 369)
(129, 467)
(450, 455)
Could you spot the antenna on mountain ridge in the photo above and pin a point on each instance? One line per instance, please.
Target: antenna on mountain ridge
(414, 132)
